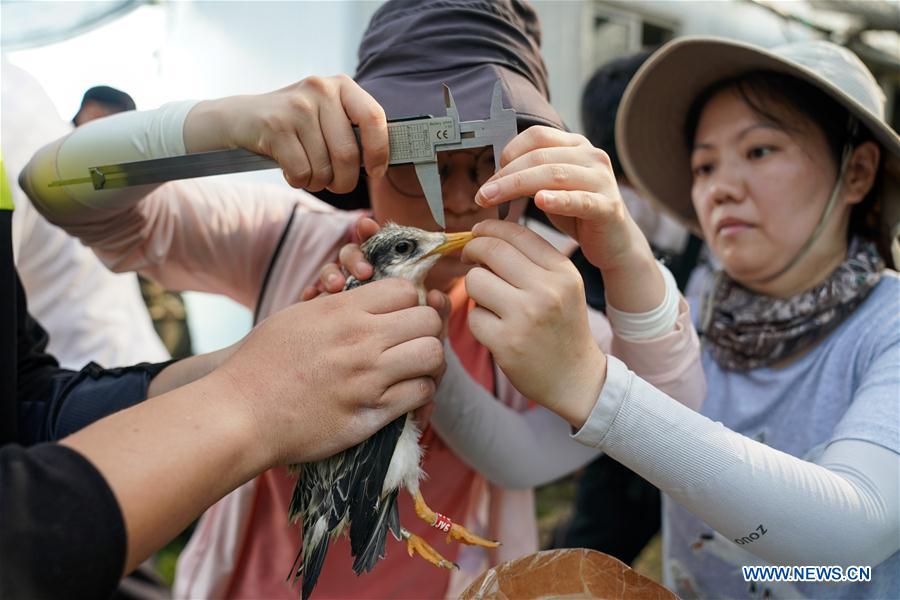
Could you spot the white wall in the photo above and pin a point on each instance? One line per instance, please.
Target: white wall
(223, 48)
(174, 50)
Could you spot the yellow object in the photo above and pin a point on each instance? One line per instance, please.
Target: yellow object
(455, 531)
(6, 200)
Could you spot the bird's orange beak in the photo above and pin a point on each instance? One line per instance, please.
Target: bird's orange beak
(454, 241)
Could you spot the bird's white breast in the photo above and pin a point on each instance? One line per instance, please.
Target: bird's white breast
(404, 468)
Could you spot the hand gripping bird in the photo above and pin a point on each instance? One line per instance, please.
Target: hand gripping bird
(358, 487)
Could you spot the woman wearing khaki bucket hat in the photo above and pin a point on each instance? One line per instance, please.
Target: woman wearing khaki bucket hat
(783, 161)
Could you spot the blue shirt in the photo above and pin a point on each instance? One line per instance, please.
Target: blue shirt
(847, 387)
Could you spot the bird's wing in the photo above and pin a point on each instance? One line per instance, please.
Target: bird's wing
(368, 551)
(345, 486)
(370, 511)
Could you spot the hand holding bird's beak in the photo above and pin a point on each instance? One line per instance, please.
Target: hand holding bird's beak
(573, 183)
(531, 314)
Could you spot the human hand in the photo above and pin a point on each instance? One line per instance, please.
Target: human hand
(351, 258)
(435, 299)
(531, 314)
(187, 370)
(573, 182)
(321, 376)
(306, 127)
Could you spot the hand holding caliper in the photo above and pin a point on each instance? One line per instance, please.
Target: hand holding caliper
(315, 144)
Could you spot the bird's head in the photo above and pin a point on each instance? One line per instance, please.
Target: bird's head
(408, 252)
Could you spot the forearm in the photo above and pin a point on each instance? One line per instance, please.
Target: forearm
(205, 127)
(188, 370)
(512, 449)
(637, 286)
(741, 487)
(124, 137)
(196, 234)
(661, 345)
(55, 402)
(654, 323)
(168, 459)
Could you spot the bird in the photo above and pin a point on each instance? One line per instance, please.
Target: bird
(357, 489)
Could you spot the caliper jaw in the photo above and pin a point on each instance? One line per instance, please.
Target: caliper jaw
(496, 131)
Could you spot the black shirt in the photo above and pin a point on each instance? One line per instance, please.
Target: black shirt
(61, 529)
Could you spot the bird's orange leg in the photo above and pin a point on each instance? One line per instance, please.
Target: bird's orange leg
(415, 544)
(454, 530)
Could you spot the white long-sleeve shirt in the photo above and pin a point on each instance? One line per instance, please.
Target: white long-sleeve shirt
(792, 466)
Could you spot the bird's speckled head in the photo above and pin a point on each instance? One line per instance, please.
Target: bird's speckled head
(408, 252)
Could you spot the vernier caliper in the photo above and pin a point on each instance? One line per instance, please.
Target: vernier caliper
(412, 141)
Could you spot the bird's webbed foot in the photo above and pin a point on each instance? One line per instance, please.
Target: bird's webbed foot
(415, 544)
(454, 531)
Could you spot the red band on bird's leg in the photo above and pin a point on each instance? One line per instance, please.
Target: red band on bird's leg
(441, 522)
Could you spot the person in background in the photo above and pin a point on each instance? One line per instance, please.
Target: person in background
(102, 101)
(90, 313)
(166, 307)
(616, 511)
(672, 242)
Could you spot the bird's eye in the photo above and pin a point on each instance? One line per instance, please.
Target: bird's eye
(403, 247)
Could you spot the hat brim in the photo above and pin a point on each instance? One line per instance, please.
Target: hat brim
(419, 94)
(654, 108)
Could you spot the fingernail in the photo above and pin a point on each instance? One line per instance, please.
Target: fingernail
(548, 197)
(361, 267)
(489, 190)
(332, 279)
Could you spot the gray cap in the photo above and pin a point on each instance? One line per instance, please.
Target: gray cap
(411, 47)
(654, 109)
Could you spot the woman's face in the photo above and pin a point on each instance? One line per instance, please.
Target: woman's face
(759, 191)
(398, 197)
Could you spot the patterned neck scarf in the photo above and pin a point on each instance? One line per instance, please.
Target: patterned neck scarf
(746, 330)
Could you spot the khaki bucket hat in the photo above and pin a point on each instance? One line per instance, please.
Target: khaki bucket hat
(654, 109)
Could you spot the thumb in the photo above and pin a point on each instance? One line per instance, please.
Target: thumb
(366, 228)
